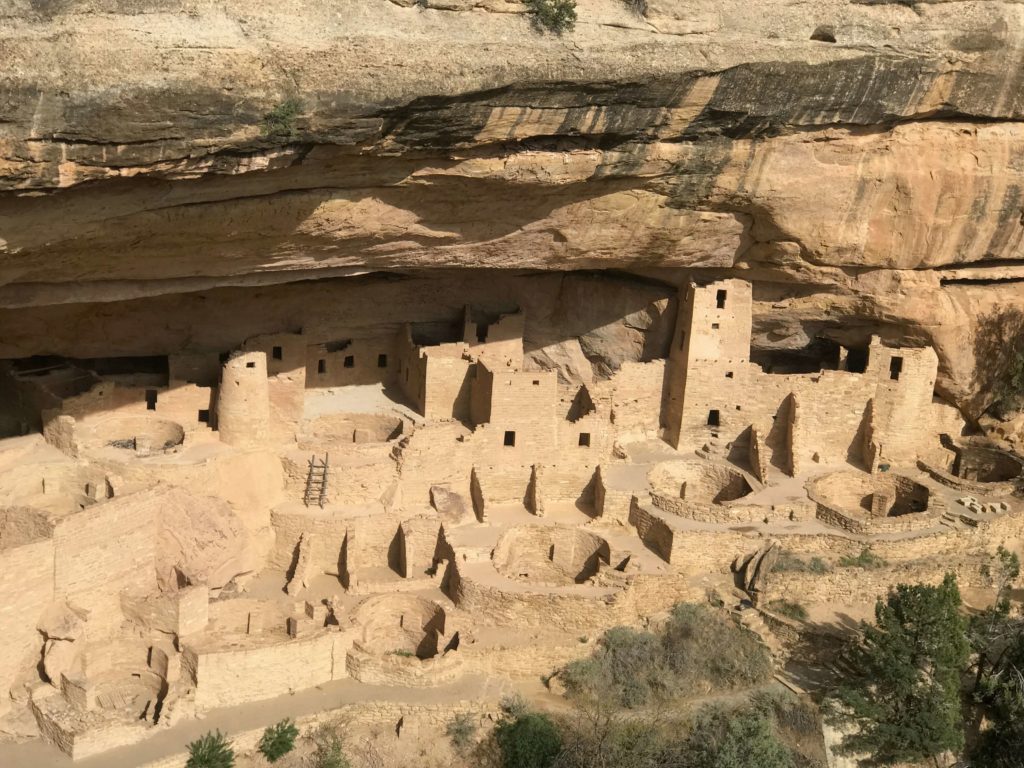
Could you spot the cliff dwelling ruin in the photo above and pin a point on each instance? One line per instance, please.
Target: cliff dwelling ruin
(413, 505)
(380, 362)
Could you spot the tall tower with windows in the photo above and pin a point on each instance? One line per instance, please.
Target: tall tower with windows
(709, 363)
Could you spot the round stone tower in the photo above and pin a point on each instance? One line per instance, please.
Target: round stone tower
(243, 403)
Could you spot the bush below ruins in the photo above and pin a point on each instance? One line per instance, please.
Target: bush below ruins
(697, 648)
(792, 563)
(211, 751)
(278, 740)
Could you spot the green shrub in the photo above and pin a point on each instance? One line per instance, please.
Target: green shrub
(328, 747)
(702, 645)
(738, 739)
(556, 16)
(697, 646)
(529, 741)
(280, 121)
(627, 666)
(278, 740)
(514, 705)
(788, 608)
(461, 731)
(790, 562)
(210, 751)
(867, 560)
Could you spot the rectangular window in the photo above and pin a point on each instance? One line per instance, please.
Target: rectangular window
(895, 368)
(713, 418)
(720, 299)
(510, 439)
(277, 353)
(350, 361)
(250, 365)
(321, 367)
(584, 439)
(728, 374)
(536, 382)
(382, 361)
(204, 416)
(714, 326)
(150, 399)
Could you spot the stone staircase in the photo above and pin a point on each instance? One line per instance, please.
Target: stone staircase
(750, 618)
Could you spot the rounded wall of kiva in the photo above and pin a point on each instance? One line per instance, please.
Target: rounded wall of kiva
(698, 481)
(554, 555)
(144, 435)
(848, 491)
(872, 503)
(400, 625)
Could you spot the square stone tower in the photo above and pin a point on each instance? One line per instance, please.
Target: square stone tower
(708, 364)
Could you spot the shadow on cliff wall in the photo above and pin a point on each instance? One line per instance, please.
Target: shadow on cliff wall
(998, 349)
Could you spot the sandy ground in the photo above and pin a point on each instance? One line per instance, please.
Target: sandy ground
(37, 754)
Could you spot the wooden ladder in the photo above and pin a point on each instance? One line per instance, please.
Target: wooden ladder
(316, 482)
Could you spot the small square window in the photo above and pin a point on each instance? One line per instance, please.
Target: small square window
(382, 361)
(584, 439)
(204, 416)
(350, 361)
(277, 353)
(728, 374)
(250, 365)
(720, 299)
(321, 367)
(510, 439)
(714, 326)
(714, 419)
(536, 382)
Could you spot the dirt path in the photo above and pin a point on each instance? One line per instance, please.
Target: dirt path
(165, 742)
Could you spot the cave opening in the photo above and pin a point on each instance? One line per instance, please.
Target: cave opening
(819, 355)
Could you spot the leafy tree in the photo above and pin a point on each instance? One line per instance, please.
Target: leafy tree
(997, 639)
(556, 16)
(211, 751)
(903, 694)
(278, 740)
(528, 741)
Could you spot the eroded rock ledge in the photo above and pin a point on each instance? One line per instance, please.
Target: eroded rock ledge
(858, 177)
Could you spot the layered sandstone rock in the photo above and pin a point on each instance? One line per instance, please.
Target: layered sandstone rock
(869, 185)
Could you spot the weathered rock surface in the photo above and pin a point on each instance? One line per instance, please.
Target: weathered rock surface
(870, 185)
(201, 541)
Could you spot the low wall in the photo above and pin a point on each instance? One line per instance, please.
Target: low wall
(404, 671)
(234, 676)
